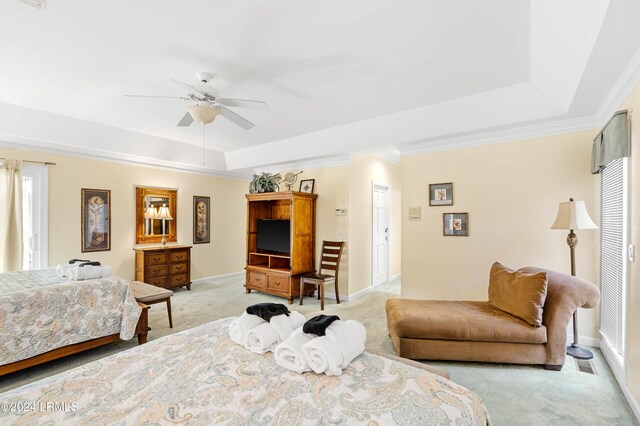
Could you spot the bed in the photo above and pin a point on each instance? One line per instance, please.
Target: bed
(199, 376)
(44, 316)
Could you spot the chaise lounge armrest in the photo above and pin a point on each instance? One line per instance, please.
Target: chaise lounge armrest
(565, 294)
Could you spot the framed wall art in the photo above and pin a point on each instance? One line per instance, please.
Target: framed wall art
(95, 218)
(455, 224)
(307, 185)
(441, 194)
(201, 220)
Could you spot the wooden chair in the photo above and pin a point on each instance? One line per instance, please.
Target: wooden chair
(329, 260)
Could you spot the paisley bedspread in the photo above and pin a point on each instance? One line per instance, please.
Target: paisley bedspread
(199, 376)
(40, 311)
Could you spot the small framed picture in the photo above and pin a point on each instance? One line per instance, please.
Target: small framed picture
(201, 220)
(455, 224)
(95, 219)
(307, 185)
(441, 194)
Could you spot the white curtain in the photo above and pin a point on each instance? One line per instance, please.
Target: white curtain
(10, 215)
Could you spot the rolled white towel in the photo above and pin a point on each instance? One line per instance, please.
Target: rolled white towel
(62, 270)
(240, 326)
(285, 325)
(350, 336)
(289, 353)
(323, 356)
(89, 272)
(105, 271)
(262, 338)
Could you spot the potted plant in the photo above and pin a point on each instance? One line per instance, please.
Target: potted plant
(266, 182)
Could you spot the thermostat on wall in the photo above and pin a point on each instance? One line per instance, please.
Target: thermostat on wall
(415, 213)
(341, 212)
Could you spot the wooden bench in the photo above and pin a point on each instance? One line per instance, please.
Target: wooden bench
(150, 294)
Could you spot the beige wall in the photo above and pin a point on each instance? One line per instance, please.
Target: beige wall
(364, 170)
(511, 192)
(350, 187)
(225, 253)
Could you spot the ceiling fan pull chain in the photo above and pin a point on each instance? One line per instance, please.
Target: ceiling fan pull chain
(203, 151)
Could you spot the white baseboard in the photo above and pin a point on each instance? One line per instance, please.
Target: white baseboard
(217, 278)
(394, 277)
(348, 298)
(618, 373)
(587, 341)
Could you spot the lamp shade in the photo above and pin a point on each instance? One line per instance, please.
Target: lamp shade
(151, 213)
(203, 113)
(163, 213)
(573, 215)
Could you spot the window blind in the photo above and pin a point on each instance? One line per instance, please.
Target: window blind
(612, 253)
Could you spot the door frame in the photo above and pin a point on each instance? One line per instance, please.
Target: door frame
(387, 200)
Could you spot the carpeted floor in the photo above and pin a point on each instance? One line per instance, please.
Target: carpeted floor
(514, 395)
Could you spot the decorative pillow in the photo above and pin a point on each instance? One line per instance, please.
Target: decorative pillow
(518, 293)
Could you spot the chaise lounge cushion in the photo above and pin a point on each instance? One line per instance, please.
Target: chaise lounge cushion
(518, 293)
(459, 320)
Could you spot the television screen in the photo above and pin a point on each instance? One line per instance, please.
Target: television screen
(274, 235)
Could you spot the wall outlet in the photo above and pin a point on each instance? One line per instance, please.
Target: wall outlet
(340, 212)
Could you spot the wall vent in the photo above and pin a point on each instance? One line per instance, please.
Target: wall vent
(38, 4)
(585, 366)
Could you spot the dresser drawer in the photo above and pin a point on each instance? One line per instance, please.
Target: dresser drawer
(279, 283)
(156, 271)
(179, 255)
(156, 258)
(178, 280)
(179, 268)
(157, 281)
(257, 280)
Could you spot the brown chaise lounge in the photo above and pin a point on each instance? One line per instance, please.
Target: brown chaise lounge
(479, 331)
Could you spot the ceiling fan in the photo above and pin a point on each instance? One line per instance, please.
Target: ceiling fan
(208, 104)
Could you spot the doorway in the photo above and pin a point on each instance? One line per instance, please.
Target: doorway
(380, 234)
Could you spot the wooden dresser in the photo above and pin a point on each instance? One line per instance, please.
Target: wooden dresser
(167, 267)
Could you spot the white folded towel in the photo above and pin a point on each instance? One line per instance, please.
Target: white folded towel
(289, 353)
(240, 326)
(285, 325)
(323, 356)
(343, 341)
(350, 336)
(262, 338)
(89, 272)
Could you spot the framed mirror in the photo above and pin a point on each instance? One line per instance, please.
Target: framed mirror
(156, 215)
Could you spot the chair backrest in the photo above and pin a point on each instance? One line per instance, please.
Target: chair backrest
(330, 258)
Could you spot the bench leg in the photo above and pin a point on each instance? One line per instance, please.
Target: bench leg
(301, 290)
(169, 311)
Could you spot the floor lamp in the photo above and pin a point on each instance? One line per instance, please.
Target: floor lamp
(573, 215)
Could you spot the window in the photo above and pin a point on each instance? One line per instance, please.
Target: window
(613, 265)
(35, 206)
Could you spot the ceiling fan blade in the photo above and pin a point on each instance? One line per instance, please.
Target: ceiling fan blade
(161, 97)
(186, 120)
(243, 103)
(187, 86)
(230, 115)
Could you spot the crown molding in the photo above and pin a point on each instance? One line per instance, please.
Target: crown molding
(505, 135)
(333, 161)
(625, 84)
(117, 157)
(392, 156)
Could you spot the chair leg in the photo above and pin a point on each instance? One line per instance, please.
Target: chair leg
(169, 311)
(321, 291)
(337, 293)
(301, 291)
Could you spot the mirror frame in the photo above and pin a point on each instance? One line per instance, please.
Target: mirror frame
(172, 195)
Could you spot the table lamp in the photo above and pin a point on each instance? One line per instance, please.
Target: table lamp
(573, 215)
(164, 214)
(151, 213)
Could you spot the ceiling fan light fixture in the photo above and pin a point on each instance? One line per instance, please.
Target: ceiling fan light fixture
(204, 114)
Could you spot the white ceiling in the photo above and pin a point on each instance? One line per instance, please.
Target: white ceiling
(339, 77)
